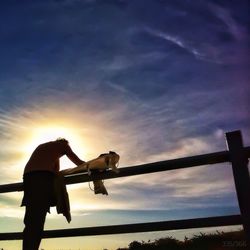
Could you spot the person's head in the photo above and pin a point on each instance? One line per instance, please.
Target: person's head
(60, 139)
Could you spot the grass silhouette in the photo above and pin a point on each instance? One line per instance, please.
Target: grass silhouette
(235, 240)
(212, 241)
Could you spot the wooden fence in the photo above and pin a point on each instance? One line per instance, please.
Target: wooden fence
(237, 154)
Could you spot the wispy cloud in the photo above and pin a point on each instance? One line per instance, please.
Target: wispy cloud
(130, 137)
(238, 31)
(152, 82)
(175, 40)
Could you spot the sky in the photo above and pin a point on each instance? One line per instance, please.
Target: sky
(152, 80)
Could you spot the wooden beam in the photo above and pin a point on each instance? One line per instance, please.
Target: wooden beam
(186, 162)
(229, 220)
(239, 162)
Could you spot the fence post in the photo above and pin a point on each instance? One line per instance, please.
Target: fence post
(239, 162)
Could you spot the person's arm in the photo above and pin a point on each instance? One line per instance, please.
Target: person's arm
(73, 157)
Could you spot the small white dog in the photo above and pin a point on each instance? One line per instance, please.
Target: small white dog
(99, 164)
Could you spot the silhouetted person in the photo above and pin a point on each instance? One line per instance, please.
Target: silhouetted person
(38, 179)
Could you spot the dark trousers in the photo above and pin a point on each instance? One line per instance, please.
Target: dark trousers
(34, 220)
(38, 197)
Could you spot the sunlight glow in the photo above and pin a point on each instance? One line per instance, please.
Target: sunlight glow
(51, 132)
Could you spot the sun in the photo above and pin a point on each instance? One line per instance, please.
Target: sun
(51, 132)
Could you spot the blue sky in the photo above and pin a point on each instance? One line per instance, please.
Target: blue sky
(152, 80)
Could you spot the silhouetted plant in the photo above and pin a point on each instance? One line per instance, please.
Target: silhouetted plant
(213, 241)
(135, 245)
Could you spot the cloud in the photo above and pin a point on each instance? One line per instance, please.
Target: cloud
(239, 32)
(193, 187)
(126, 131)
(175, 40)
(152, 82)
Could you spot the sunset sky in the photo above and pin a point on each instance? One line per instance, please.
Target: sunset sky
(150, 79)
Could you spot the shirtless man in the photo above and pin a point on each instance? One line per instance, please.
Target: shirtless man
(38, 180)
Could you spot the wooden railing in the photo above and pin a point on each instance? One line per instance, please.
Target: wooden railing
(237, 154)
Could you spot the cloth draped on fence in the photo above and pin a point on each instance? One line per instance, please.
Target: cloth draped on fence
(99, 164)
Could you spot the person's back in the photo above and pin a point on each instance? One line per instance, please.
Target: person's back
(46, 156)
